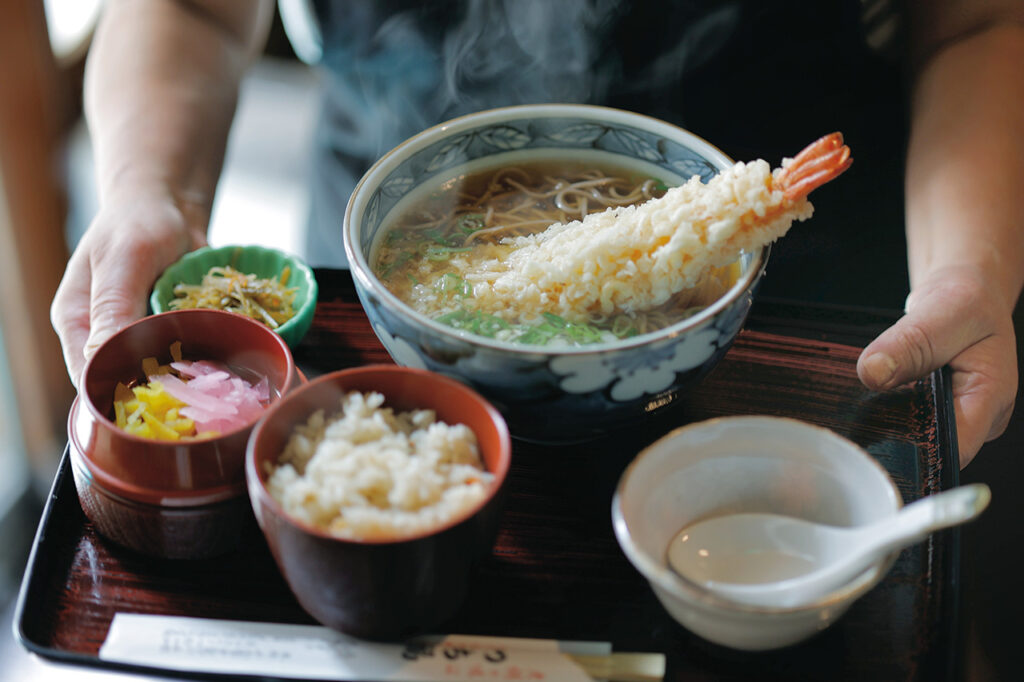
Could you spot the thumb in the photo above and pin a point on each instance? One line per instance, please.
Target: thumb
(933, 331)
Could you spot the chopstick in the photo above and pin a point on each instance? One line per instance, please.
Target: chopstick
(623, 666)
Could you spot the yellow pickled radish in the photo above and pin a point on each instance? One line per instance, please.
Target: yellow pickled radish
(187, 400)
(151, 412)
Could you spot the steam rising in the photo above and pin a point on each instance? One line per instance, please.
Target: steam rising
(397, 67)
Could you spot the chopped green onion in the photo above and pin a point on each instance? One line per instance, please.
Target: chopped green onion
(441, 238)
(556, 320)
(400, 260)
(444, 252)
(470, 222)
(623, 327)
(451, 284)
(554, 326)
(474, 321)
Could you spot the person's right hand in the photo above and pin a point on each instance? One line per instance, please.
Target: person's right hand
(106, 285)
(955, 316)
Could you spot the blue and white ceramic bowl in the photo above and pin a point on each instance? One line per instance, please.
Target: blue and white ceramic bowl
(559, 394)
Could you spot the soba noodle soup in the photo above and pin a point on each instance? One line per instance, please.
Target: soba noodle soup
(429, 253)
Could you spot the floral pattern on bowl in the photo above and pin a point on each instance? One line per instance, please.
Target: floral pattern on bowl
(628, 378)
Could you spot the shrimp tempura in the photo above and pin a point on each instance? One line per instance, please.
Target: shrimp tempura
(637, 257)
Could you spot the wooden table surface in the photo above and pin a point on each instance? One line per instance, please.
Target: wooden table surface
(556, 570)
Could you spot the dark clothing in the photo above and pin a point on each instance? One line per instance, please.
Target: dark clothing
(757, 79)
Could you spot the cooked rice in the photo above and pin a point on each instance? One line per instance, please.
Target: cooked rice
(371, 473)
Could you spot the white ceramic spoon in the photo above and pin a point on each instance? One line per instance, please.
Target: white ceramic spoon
(780, 561)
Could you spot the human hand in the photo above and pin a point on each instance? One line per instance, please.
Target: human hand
(956, 316)
(105, 287)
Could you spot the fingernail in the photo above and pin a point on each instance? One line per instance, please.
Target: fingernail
(881, 368)
(93, 343)
(98, 335)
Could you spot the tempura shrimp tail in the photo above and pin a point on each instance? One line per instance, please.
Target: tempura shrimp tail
(819, 162)
(636, 258)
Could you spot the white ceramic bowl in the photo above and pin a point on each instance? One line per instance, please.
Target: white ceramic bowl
(560, 394)
(747, 464)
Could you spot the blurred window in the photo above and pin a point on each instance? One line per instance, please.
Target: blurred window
(32, 246)
(70, 24)
(14, 477)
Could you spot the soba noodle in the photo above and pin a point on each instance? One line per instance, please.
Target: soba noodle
(432, 254)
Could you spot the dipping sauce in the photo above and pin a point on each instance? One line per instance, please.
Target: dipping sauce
(742, 567)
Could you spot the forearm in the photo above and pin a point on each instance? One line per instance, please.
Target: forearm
(160, 92)
(966, 160)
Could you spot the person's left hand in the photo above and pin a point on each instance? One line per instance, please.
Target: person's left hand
(956, 316)
(137, 233)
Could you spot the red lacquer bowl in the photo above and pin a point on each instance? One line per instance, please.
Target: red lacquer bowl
(164, 497)
(380, 588)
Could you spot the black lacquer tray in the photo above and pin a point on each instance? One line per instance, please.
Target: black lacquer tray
(556, 571)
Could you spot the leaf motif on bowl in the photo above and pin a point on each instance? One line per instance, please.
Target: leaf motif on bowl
(581, 134)
(687, 168)
(372, 219)
(634, 144)
(505, 137)
(396, 186)
(450, 153)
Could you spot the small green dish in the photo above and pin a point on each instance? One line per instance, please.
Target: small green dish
(256, 260)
